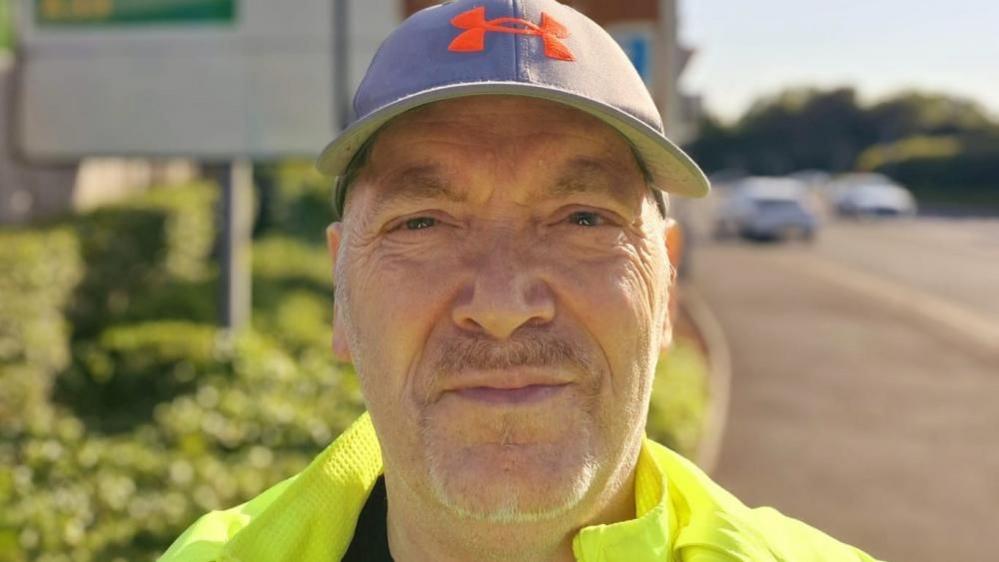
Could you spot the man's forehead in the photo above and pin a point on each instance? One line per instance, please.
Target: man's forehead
(433, 152)
(432, 181)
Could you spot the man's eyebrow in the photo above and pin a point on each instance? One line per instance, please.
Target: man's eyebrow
(588, 175)
(415, 183)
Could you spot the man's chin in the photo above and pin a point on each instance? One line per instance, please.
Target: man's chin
(512, 483)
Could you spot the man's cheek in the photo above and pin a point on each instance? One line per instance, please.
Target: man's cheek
(623, 326)
(395, 323)
(623, 292)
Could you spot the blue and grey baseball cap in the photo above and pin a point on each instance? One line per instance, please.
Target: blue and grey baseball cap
(533, 48)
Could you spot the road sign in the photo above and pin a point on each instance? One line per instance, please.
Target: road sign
(221, 81)
(204, 79)
(114, 12)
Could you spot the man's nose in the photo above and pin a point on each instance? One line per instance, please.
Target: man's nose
(504, 294)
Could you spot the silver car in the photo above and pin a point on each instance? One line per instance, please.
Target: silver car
(876, 200)
(765, 208)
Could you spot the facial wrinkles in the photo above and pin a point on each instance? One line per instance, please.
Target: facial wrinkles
(503, 162)
(360, 265)
(498, 145)
(495, 236)
(641, 278)
(652, 271)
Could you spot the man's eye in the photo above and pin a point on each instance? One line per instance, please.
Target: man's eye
(586, 218)
(419, 223)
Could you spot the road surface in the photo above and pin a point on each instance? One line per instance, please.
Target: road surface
(865, 392)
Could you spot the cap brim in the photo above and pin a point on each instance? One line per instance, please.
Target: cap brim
(672, 170)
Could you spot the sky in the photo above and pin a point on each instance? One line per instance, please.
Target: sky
(750, 49)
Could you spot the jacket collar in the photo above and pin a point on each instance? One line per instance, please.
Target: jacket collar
(648, 537)
(313, 519)
(315, 516)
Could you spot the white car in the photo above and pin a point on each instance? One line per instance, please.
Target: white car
(836, 188)
(876, 200)
(767, 208)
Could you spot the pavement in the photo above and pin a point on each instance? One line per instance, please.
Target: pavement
(865, 389)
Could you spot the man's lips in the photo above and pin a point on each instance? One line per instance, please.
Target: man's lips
(504, 387)
(522, 395)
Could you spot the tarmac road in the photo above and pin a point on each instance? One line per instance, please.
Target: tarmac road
(865, 392)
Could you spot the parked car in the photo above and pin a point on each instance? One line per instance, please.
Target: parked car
(766, 208)
(836, 188)
(876, 200)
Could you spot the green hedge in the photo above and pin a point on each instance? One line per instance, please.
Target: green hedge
(292, 293)
(210, 423)
(119, 377)
(251, 416)
(680, 399)
(137, 252)
(295, 200)
(120, 431)
(38, 273)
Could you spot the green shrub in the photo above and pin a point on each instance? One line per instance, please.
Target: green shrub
(679, 399)
(288, 259)
(296, 200)
(38, 272)
(259, 395)
(301, 322)
(134, 250)
(292, 293)
(118, 378)
(189, 301)
(251, 417)
(155, 418)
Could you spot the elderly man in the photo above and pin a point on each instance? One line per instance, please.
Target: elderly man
(502, 282)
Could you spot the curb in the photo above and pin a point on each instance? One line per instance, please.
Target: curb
(719, 373)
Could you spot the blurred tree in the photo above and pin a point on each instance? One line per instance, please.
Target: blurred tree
(830, 130)
(911, 114)
(716, 147)
(796, 129)
(805, 129)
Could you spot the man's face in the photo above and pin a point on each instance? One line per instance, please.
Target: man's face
(502, 284)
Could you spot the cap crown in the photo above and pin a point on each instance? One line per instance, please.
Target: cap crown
(537, 42)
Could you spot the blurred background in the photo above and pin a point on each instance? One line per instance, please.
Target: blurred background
(165, 296)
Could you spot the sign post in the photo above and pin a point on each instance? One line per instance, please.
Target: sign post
(234, 243)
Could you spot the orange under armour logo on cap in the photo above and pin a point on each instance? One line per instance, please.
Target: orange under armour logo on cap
(474, 22)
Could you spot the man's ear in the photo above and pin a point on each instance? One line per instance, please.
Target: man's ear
(674, 251)
(341, 349)
(674, 247)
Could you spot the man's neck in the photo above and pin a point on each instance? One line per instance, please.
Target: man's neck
(422, 532)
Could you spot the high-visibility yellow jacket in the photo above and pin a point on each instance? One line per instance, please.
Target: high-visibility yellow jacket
(682, 516)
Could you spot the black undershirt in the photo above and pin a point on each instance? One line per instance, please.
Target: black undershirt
(370, 542)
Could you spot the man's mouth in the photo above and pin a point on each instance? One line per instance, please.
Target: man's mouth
(528, 394)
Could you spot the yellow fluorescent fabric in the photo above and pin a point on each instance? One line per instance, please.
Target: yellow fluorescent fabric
(681, 516)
